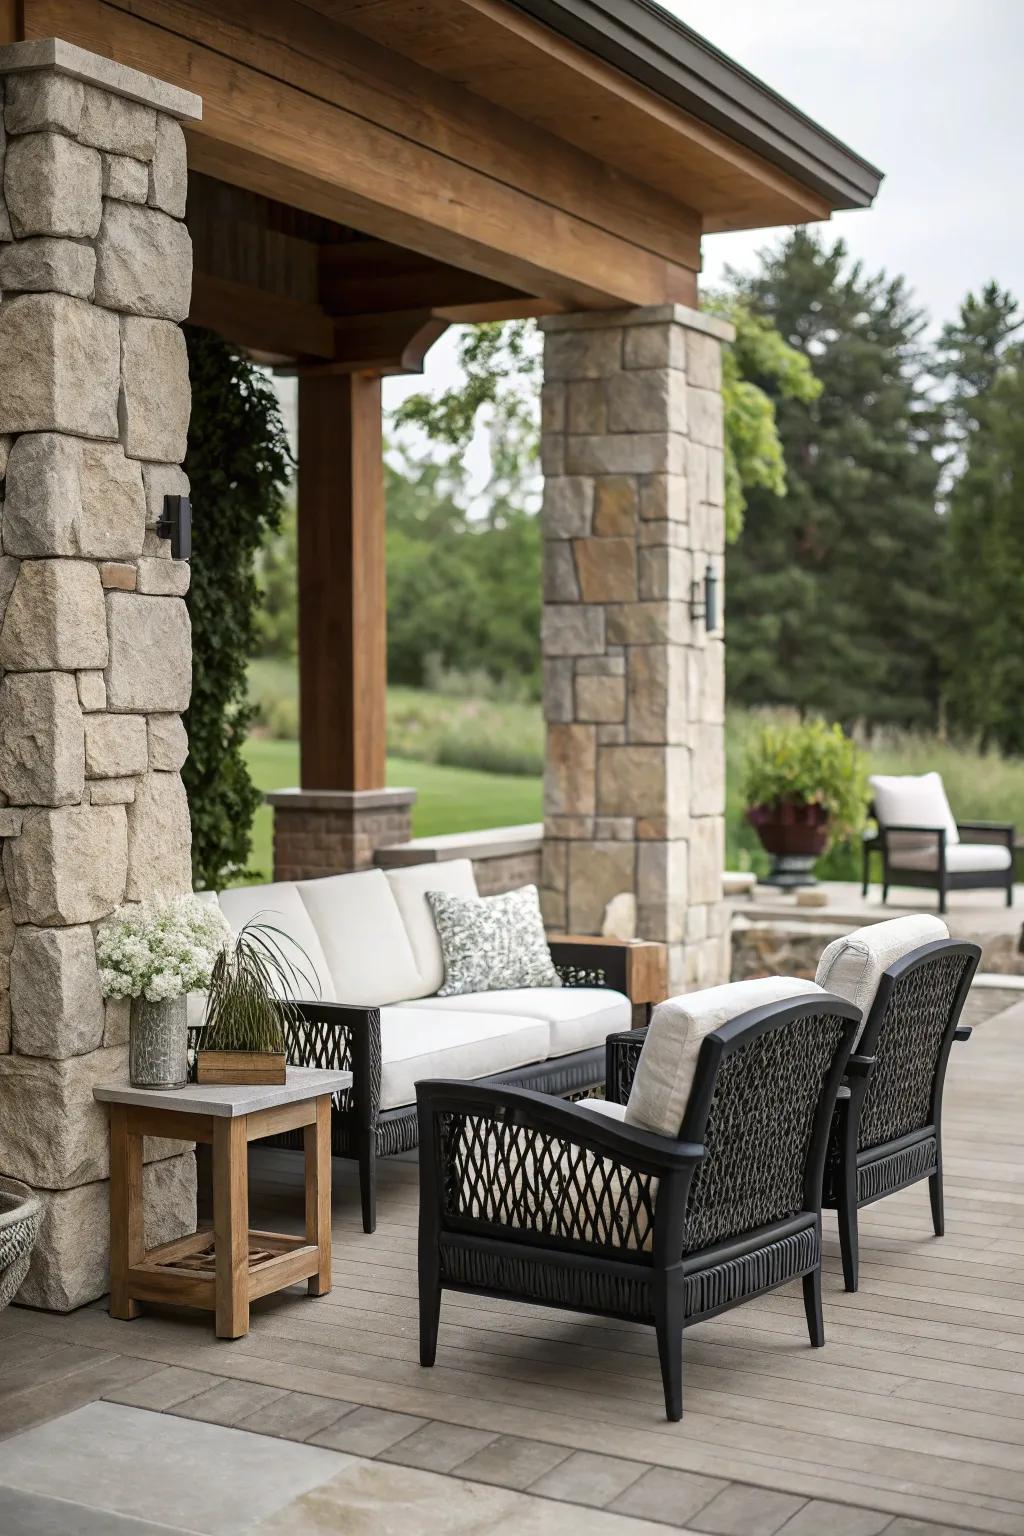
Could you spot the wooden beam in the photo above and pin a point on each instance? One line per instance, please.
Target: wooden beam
(314, 52)
(297, 145)
(342, 589)
(255, 318)
(374, 277)
(11, 23)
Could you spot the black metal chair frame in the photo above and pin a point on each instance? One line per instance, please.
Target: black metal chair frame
(940, 878)
(525, 1197)
(887, 1129)
(344, 1038)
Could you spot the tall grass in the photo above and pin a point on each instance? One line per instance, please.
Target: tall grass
(452, 728)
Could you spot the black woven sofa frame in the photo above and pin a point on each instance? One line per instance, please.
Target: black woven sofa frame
(526, 1197)
(940, 878)
(345, 1038)
(887, 1126)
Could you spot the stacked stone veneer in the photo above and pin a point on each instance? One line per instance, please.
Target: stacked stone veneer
(95, 654)
(336, 831)
(634, 793)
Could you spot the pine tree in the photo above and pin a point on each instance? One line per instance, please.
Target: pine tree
(834, 596)
(985, 654)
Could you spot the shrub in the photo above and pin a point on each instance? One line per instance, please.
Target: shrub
(238, 463)
(807, 763)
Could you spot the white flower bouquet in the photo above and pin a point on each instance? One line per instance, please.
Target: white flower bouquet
(159, 952)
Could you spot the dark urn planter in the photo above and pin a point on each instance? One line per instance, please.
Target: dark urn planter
(795, 834)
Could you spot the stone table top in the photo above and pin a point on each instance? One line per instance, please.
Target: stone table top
(228, 1101)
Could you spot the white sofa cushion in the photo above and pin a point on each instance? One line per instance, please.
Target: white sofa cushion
(368, 951)
(668, 1062)
(281, 906)
(578, 1017)
(852, 966)
(409, 886)
(961, 858)
(417, 1044)
(912, 800)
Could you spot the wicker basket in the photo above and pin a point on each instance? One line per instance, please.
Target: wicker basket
(20, 1215)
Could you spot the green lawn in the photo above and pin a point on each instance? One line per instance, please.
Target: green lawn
(449, 799)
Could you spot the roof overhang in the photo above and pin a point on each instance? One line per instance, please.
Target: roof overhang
(661, 52)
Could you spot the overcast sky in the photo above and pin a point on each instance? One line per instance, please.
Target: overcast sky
(931, 92)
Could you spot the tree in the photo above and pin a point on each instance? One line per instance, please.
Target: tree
(835, 593)
(238, 464)
(984, 366)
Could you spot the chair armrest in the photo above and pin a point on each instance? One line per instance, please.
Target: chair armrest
(860, 1066)
(1000, 832)
(633, 966)
(622, 1052)
(963, 1032)
(893, 826)
(567, 1122)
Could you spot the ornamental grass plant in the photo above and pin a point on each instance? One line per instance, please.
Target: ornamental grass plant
(252, 990)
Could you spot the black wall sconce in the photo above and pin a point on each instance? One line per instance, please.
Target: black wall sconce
(176, 525)
(704, 599)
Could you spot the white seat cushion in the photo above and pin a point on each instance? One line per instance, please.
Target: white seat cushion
(417, 1044)
(961, 858)
(281, 906)
(578, 1017)
(852, 966)
(668, 1061)
(367, 948)
(409, 886)
(912, 800)
(603, 1107)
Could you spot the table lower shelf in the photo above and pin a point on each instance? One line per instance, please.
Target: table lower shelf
(184, 1272)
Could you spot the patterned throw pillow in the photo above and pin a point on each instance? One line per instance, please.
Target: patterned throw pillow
(492, 944)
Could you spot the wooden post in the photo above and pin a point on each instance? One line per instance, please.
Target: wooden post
(342, 588)
(231, 1225)
(317, 1141)
(127, 1213)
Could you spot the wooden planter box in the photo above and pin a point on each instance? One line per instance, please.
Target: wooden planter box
(240, 1067)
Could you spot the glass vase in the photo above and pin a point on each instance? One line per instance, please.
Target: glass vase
(158, 1043)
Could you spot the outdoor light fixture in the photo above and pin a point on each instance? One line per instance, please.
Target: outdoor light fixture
(176, 525)
(704, 599)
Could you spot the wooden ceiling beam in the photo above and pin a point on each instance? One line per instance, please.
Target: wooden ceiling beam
(294, 142)
(371, 276)
(261, 321)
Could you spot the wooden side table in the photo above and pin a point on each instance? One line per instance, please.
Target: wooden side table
(225, 1269)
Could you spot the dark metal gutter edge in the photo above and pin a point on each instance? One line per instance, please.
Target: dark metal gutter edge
(661, 52)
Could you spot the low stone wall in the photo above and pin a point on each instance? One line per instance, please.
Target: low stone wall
(504, 858)
(95, 274)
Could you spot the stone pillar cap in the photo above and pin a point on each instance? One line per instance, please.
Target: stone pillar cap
(650, 314)
(91, 68)
(340, 799)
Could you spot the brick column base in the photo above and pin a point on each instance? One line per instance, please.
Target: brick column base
(336, 831)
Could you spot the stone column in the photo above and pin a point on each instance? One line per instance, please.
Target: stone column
(95, 652)
(634, 792)
(335, 831)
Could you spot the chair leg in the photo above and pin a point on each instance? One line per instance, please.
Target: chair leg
(942, 899)
(1009, 893)
(938, 1202)
(812, 1307)
(430, 1318)
(846, 1212)
(668, 1324)
(368, 1178)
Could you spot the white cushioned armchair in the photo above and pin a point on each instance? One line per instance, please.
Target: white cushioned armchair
(922, 844)
(371, 940)
(699, 1191)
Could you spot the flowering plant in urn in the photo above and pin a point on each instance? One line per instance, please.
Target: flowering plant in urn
(156, 954)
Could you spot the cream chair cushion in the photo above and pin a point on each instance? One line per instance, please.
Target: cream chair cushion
(665, 1072)
(409, 886)
(368, 951)
(280, 906)
(961, 858)
(852, 966)
(912, 800)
